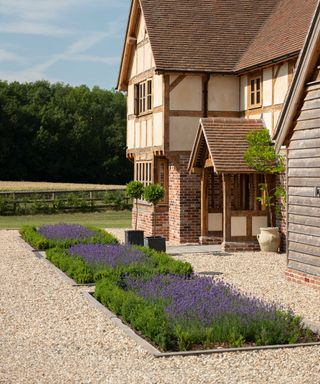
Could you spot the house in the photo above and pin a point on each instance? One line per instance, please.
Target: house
(298, 130)
(193, 64)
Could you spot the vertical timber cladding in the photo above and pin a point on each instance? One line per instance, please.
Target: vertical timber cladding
(303, 181)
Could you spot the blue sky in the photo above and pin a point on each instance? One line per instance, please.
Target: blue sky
(71, 41)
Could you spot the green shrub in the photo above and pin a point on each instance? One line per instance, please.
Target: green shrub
(74, 267)
(35, 239)
(163, 263)
(143, 316)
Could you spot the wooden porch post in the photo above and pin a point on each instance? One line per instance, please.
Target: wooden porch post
(204, 202)
(226, 207)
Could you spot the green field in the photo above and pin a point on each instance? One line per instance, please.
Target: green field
(112, 219)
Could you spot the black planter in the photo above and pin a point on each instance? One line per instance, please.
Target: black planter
(157, 243)
(134, 238)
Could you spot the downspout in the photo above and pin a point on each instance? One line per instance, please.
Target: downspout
(205, 88)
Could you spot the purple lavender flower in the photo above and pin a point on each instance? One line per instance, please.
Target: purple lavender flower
(110, 255)
(65, 232)
(200, 299)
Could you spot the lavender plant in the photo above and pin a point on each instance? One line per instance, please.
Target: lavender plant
(107, 255)
(65, 232)
(200, 299)
(200, 310)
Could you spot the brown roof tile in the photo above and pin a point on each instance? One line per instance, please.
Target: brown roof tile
(224, 138)
(224, 35)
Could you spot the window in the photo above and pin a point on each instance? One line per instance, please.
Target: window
(143, 97)
(162, 177)
(143, 172)
(255, 92)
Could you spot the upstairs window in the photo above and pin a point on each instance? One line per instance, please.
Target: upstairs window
(143, 97)
(255, 92)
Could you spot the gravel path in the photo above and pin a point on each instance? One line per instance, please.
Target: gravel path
(51, 334)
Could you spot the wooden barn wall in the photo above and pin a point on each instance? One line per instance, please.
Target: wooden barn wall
(303, 178)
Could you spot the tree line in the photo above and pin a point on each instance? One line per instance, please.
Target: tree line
(56, 132)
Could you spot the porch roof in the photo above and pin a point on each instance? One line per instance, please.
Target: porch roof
(224, 141)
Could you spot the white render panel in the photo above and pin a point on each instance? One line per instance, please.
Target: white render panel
(281, 84)
(267, 118)
(215, 222)
(130, 134)
(158, 129)
(157, 90)
(140, 57)
(143, 132)
(267, 87)
(130, 100)
(223, 93)
(141, 29)
(257, 223)
(243, 93)
(147, 56)
(187, 95)
(276, 115)
(238, 226)
(149, 132)
(137, 134)
(182, 132)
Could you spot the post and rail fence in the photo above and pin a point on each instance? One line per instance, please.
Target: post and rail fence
(52, 201)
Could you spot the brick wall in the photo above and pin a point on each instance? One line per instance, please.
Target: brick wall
(184, 202)
(303, 278)
(145, 220)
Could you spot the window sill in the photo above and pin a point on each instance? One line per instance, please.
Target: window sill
(255, 106)
(144, 114)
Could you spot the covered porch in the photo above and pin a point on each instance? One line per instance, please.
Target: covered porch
(230, 213)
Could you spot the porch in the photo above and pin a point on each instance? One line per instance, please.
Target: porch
(230, 213)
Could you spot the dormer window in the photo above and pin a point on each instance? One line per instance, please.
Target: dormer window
(255, 91)
(143, 97)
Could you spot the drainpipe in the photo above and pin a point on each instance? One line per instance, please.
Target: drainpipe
(205, 86)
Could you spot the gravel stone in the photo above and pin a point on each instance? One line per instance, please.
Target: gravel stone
(51, 334)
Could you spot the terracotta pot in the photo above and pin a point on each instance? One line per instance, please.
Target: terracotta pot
(269, 239)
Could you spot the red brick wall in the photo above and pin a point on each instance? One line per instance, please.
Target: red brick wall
(184, 202)
(303, 278)
(145, 220)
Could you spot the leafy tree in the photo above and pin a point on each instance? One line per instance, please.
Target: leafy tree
(56, 132)
(135, 191)
(262, 157)
(154, 193)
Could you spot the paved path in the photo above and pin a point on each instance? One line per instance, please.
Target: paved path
(51, 334)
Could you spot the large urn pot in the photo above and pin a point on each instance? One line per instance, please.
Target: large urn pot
(269, 239)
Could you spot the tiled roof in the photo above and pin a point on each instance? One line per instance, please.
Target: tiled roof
(282, 34)
(224, 138)
(224, 35)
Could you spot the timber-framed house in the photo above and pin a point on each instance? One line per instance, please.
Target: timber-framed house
(199, 75)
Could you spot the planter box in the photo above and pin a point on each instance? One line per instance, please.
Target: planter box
(157, 243)
(134, 238)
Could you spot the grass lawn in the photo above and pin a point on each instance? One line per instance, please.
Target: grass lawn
(111, 219)
(43, 186)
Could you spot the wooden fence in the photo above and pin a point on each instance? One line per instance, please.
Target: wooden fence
(30, 202)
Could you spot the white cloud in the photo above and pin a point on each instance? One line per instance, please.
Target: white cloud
(35, 9)
(41, 10)
(6, 55)
(30, 28)
(96, 59)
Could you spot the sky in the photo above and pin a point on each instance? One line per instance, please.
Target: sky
(70, 41)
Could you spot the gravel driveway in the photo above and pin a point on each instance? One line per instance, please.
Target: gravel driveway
(51, 334)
